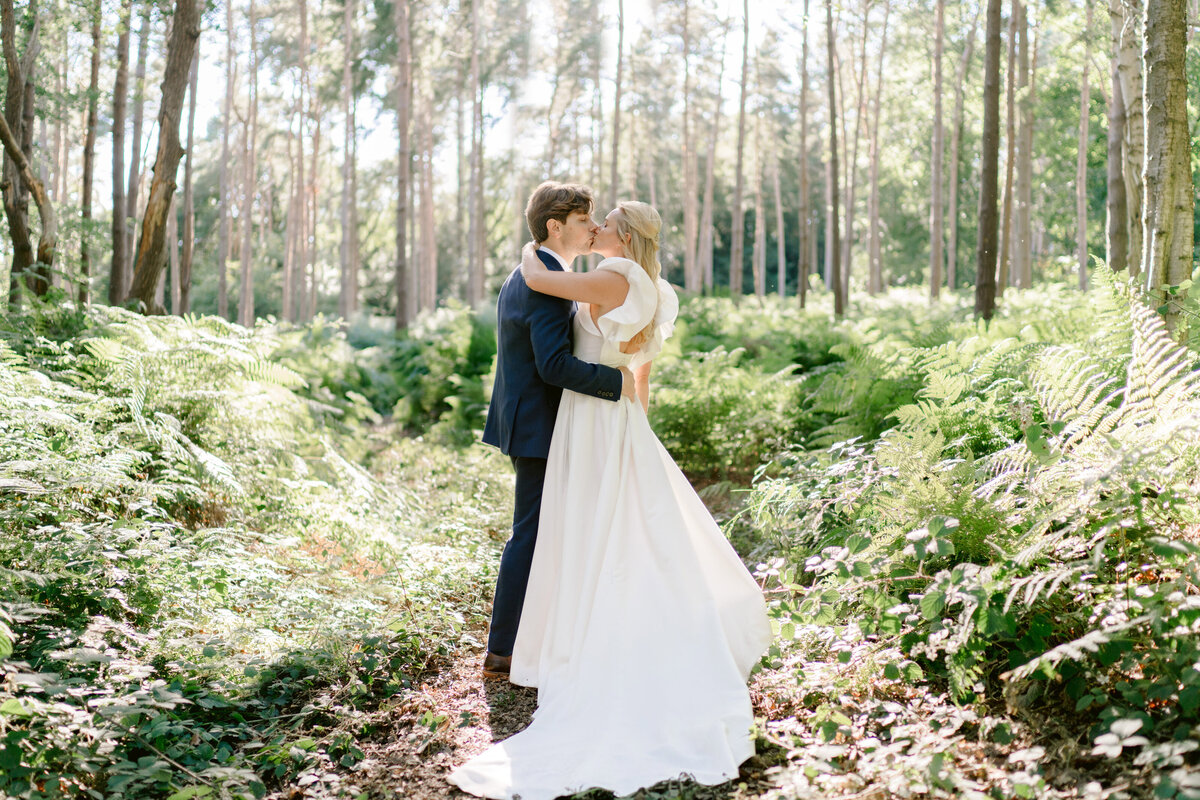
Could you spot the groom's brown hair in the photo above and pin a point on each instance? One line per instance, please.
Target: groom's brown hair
(553, 200)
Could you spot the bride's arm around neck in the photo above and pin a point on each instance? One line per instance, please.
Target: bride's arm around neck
(605, 290)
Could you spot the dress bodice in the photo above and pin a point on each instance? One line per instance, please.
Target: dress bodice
(647, 301)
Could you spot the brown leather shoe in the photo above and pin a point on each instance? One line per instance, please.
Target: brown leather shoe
(495, 666)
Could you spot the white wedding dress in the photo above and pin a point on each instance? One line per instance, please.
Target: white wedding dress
(640, 623)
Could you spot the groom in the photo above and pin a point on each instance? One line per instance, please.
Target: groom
(533, 365)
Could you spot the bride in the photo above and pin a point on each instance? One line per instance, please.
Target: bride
(640, 623)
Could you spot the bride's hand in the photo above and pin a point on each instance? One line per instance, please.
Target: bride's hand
(530, 263)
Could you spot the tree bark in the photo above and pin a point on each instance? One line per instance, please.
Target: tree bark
(1081, 250)
(1023, 239)
(48, 238)
(246, 315)
(985, 274)
(89, 163)
(428, 227)
(1127, 19)
(690, 272)
(1116, 222)
(833, 240)
(184, 292)
(738, 221)
(804, 262)
(478, 225)
(937, 222)
(133, 185)
(1010, 144)
(780, 235)
(705, 254)
(758, 255)
(172, 259)
(223, 173)
(860, 116)
(874, 238)
(348, 296)
(1169, 199)
(616, 142)
(955, 157)
(118, 285)
(181, 48)
(15, 183)
(403, 90)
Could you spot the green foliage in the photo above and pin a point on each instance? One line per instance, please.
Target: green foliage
(1028, 528)
(196, 581)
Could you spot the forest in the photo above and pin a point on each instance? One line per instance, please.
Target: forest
(936, 374)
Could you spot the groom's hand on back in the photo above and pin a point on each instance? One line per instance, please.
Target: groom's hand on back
(627, 384)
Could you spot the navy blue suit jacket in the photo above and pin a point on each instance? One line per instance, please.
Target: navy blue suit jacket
(533, 365)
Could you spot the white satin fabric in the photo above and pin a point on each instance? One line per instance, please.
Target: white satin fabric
(640, 623)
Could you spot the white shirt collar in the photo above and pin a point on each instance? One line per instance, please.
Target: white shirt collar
(561, 261)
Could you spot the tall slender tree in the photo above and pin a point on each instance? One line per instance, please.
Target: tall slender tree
(1081, 249)
(616, 139)
(477, 232)
(151, 253)
(833, 240)
(1127, 17)
(937, 222)
(874, 237)
(1010, 145)
(956, 131)
(804, 263)
(403, 93)
(246, 298)
(89, 160)
(739, 226)
(1116, 222)
(223, 169)
(1022, 253)
(133, 185)
(705, 252)
(985, 273)
(184, 292)
(118, 281)
(348, 294)
(691, 275)
(1169, 194)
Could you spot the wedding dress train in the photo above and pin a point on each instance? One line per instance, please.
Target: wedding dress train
(640, 623)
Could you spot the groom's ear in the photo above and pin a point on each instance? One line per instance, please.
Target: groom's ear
(553, 227)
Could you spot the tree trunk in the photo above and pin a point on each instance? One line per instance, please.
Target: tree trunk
(133, 185)
(1023, 238)
(300, 265)
(705, 254)
(246, 313)
(738, 220)
(874, 238)
(181, 48)
(1116, 223)
(804, 263)
(691, 274)
(833, 240)
(118, 285)
(1169, 199)
(937, 222)
(860, 103)
(403, 90)
(1081, 250)
(347, 296)
(780, 236)
(616, 142)
(1010, 144)
(758, 255)
(223, 173)
(48, 238)
(429, 255)
(955, 157)
(291, 248)
(172, 259)
(312, 192)
(985, 274)
(89, 163)
(478, 230)
(184, 293)
(1127, 19)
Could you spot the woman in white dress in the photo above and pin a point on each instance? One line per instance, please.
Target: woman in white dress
(640, 623)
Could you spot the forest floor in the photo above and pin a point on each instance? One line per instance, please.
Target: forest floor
(829, 724)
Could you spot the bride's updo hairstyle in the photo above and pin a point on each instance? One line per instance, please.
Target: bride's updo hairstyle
(638, 225)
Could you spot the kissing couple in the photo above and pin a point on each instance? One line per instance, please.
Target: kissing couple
(618, 596)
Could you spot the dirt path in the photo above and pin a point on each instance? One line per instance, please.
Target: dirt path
(463, 715)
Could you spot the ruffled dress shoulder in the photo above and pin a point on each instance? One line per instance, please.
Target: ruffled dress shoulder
(648, 301)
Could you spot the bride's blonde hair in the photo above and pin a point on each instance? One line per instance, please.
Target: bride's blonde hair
(638, 225)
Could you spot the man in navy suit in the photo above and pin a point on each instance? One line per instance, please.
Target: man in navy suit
(533, 365)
